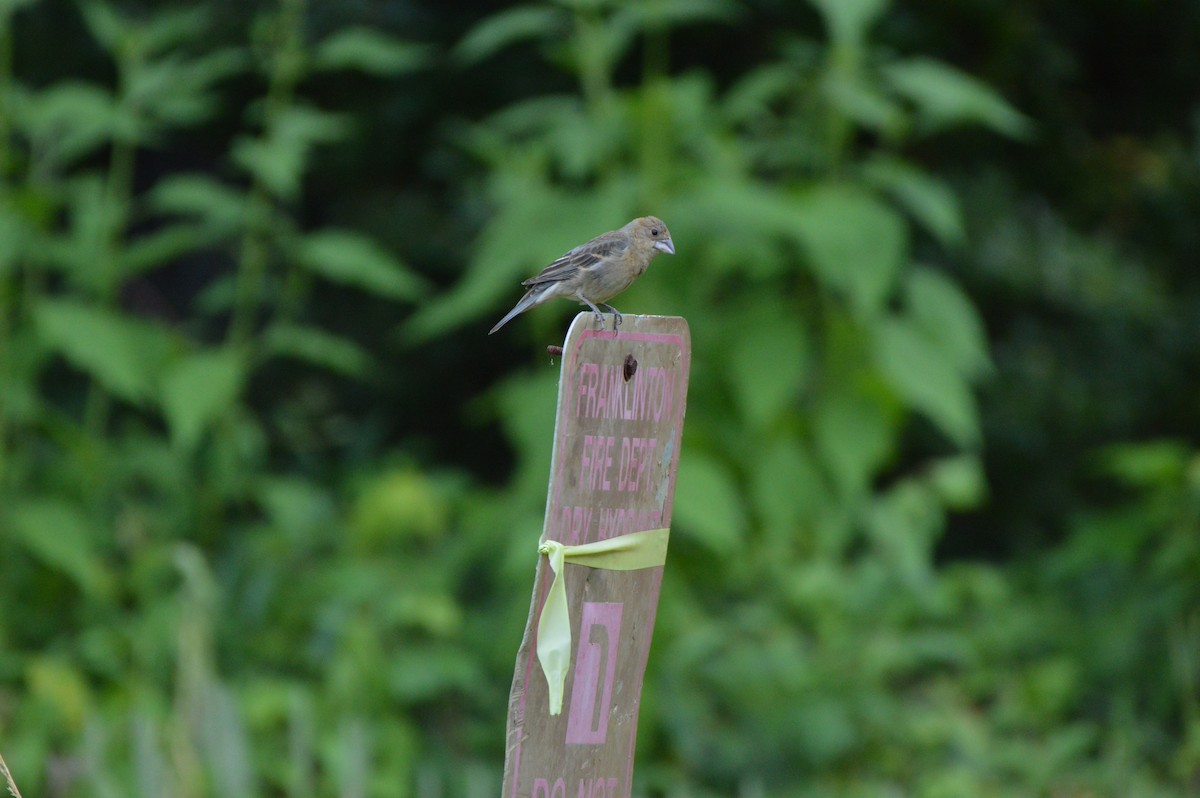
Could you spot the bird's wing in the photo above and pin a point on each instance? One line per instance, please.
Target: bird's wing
(582, 257)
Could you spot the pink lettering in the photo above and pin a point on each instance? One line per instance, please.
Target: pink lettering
(662, 404)
(602, 392)
(595, 671)
(616, 392)
(542, 788)
(598, 787)
(636, 453)
(572, 525)
(588, 376)
(595, 461)
(616, 521)
(581, 520)
(608, 444)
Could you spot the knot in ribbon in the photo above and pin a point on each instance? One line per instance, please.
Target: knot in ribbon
(631, 552)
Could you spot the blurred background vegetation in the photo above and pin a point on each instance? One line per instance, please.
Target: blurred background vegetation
(269, 494)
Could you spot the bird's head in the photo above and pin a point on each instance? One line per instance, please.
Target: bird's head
(655, 232)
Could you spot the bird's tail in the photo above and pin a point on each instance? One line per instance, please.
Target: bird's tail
(531, 298)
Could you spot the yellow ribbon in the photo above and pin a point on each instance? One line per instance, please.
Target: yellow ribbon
(631, 552)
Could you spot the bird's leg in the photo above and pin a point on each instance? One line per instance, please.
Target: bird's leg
(617, 321)
(596, 310)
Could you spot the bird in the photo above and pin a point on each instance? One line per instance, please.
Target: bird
(597, 271)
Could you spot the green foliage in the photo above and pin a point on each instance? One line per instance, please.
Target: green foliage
(141, 485)
(344, 257)
(199, 391)
(242, 547)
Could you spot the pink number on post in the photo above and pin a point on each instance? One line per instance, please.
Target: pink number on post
(595, 669)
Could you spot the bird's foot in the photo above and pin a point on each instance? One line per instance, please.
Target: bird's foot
(599, 319)
(618, 317)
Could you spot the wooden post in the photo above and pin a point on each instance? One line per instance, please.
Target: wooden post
(621, 400)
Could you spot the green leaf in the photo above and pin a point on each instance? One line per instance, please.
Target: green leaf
(89, 228)
(742, 221)
(422, 676)
(752, 95)
(350, 258)
(903, 523)
(296, 506)
(917, 368)
(849, 21)
(8, 7)
(863, 103)
(1149, 465)
(370, 51)
(946, 315)
(216, 204)
(135, 41)
(66, 122)
(928, 199)
(179, 92)
(219, 296)
(398, 504)
(558, 127)
(959, 481)
(122, 354)
(198, 390)
(319, 348)
(854, 243)
(854, 435)
(60, 536)
(769, 361)
(168, 28)
(161, 247)
(508, 27)
(106, 25)
(946, 97)
(279, 159)
(787, 485)
(708, 504)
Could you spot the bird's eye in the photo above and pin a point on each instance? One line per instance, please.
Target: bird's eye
(654, 231)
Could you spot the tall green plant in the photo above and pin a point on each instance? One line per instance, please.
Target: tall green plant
(832, 422)
(131, 452)
(209, 583)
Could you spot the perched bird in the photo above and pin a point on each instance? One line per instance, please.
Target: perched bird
(598, 270)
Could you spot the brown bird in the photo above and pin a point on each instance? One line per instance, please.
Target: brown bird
(598, 270)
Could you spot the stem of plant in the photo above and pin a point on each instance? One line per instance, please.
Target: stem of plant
(254, 256)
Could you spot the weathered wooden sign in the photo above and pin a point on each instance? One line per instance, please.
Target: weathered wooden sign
(572, 713)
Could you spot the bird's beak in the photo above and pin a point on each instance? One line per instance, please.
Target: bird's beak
(666, 245)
